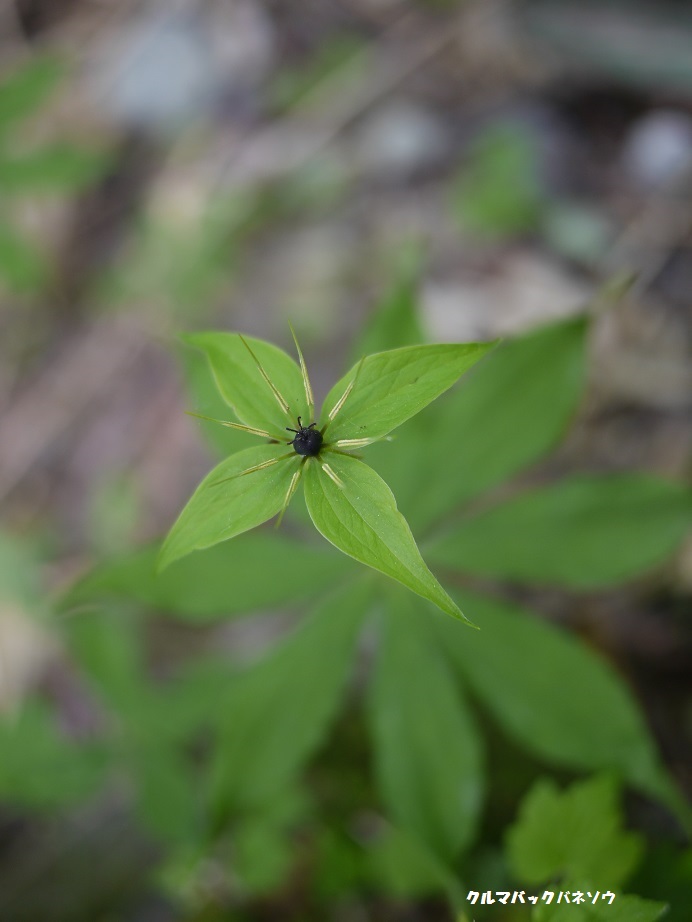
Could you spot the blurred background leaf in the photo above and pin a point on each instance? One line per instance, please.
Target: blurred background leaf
(581, 532)
(573, 835)
(427, 751)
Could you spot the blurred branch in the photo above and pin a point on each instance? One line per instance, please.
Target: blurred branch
(291, 143)
(79, 377)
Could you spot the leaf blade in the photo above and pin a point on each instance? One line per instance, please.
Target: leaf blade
(242, 385)
(391, 387)
(574, 834)
(58, 168)
(292, 694)
(177, 589)
(218, 511)
(427, 748)
(361, 518)
(24, 91)
(554, 696)
(583, 532)
(508, 412)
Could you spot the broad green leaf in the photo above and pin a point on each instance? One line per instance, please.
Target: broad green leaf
(221, 580)
(35, 754)
(23, 91)
(243, 387)
(666, 874)
(582, 532)
(361, 518)
(205, 399)
(166, 792)
(109, 651)
(391, 387)
(51, 169)
(556, 697)
(506, 414)
(108, 648)
(221, 508)
(427, 749)
(185, 706)
(22, 265)
(263, 854)
(624, 908)
(574, 834)
(154, 725)
(277, 712)
(406, 869)
(264, 846)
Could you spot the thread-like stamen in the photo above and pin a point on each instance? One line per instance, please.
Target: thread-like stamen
(304, 371)
(292, 487)
(257, 467)
(282, 403)
(330, 473)
(344, 397)
(239, 426)
(355, 443)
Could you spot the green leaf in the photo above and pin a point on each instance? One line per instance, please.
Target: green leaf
(205, 399)
(391, 387)
(624, 908)
(406, 869)
(629, 908)
(666, 874)
(278, 711)
(574, 835)
(109, 651)
(166, 792)
(184, 708)
(264, 843)
(219, 581)
(242, 385)
(506, 414)
(35, 753)
(361, 518)
(263, 854)
(582, 532)
(23, 91)
(154, 726)
(219, 510)
(427, 749)
(22, 265)
(558, 699)
(61, 167)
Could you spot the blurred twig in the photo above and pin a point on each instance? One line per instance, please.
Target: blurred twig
(80, 376)
(295, 140)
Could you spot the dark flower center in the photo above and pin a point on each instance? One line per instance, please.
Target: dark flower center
(307, 441)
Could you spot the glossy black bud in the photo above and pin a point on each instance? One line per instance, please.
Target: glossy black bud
(307, 441)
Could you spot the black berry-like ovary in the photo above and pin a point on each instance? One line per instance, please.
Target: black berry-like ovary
(307, 441)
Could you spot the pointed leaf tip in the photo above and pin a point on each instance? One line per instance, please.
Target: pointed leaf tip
(226, 503)
(390, 387)
(358, 515)
(249, 374)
